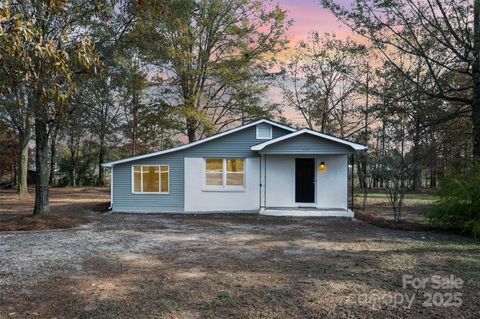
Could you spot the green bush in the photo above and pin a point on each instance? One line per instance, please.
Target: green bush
(459, 205)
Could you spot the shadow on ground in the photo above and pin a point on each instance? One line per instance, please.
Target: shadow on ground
(236, 266)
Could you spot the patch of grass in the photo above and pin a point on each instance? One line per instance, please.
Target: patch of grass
(223, 296)
(408, 197)
(398, 262)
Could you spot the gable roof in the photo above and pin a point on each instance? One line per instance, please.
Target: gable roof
(207, 139)
(354, 146)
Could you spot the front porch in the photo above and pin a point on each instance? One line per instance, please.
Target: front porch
(294, 185)
(305, 173)
(307, 212)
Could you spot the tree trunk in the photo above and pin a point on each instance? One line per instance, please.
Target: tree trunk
(72, 169)
(23, 165)
(433, 176)
(383, 149)
(365, 131)
(134, 142)
(398, 213)
(73, 166)
(53, 155)
(101, 158)
(134, 123)
(41, 162)
(476, 81)
(13, 175)
(416, 169)
(191, 130)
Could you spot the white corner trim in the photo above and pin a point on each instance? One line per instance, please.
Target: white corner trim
(109, 164)
(111, 189)
(355, 146)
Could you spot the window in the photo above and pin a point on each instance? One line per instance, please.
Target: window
(150, 178)
(225, 173)
(264, 132)
(214, 172)
(234, 172)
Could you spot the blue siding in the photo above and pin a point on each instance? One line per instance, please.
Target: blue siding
(125, 201)
(237, 144)
(306, 144)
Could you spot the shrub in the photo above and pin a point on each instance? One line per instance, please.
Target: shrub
(459, 205)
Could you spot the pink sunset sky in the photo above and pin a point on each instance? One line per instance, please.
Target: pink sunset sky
(307, 16)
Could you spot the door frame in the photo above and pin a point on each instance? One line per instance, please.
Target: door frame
(303, 204)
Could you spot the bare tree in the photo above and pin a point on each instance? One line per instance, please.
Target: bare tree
(321, 82)
(211, 57)
(444, 34)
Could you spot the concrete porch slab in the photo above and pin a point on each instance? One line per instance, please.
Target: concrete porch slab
(299, 212)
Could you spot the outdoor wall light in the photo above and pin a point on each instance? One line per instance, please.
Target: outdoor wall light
(322, 167)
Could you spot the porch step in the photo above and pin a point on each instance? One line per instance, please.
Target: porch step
(295, 212)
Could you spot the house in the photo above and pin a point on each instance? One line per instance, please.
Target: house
(261, 167)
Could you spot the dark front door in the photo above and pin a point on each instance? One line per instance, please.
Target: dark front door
(305, 180)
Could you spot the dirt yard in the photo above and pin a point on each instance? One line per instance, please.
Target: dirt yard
(228, 266)
(68, 208)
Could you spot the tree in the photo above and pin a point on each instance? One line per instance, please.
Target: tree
(44, 39)
(443, 34)
(120, 88)
(9, 149)
(395, 172)
(16, 110)
(394, 169)
(132, 80)
(102, 113)
(210, 57)
(322, 83)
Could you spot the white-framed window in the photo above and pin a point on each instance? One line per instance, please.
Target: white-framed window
(224, 173)
(264, 132)
(150, 179)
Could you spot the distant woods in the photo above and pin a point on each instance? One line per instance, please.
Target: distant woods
(88, 81)
(423, 95)
(85, 82)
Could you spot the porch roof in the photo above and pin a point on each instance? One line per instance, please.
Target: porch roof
(307, 141)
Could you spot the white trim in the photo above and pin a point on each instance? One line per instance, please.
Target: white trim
(224, 187)
(229, 189)
(263, 138)
(159, 179)
(109, 164)
(111, 188)
(308, 213)
(355, 146)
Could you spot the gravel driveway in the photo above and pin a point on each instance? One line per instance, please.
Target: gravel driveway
(240, 266)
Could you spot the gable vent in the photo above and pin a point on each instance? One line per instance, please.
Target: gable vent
(264, 132)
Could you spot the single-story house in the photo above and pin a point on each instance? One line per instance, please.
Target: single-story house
(261, 167)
